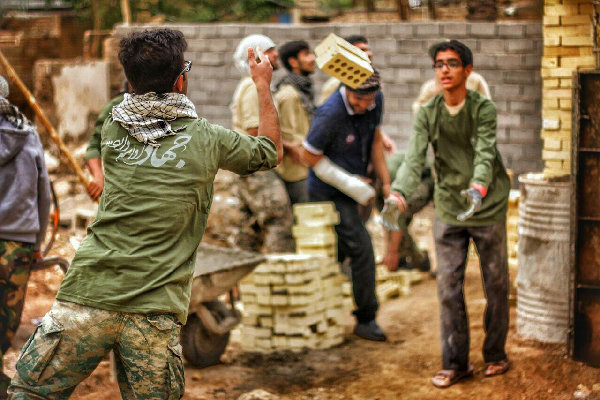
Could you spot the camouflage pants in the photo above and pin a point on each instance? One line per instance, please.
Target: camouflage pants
(266, 223)
(15, 264)
(72, 339)
(452, 245)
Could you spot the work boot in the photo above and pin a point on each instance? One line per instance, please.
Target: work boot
(425, 266)
(370, 331)
(4, 382)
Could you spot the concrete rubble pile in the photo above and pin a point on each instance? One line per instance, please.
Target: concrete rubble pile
(295, 301)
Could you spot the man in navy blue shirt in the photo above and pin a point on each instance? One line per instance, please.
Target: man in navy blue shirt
(344, 137)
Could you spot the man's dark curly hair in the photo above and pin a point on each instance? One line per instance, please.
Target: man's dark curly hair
(465, 54)
(152, 59)
(291, 50)
(356, 39)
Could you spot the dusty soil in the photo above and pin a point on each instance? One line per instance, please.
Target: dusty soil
(357, 369)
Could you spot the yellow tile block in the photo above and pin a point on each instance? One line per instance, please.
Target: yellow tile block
(557, 93)
(549, 62)
(555, 155)
(558, 134)
(575, 62)
(572, 20)
(552, 144)
(562, 51)
(557, 72)
(556, 114)
(342, 60)
(566, 83)
(551, 20)
(550, 103)
(564, 31)
(577, 40)
(561, 9)
(565, 104)
(554, 164)
(552, 41)
(550, 84)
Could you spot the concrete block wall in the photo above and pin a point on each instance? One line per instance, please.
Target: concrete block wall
(568, 47)
(508, 55)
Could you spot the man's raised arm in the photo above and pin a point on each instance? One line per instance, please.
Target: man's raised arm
(268, 124)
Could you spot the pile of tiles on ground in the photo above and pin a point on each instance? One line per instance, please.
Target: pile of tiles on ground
(295, 301)
(393, 284)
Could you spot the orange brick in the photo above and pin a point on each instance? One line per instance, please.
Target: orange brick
(565, 51)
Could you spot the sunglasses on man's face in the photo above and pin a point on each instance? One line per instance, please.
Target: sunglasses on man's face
(187, 66)
(451, 64)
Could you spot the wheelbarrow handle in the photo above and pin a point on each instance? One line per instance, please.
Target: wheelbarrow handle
(48, 262)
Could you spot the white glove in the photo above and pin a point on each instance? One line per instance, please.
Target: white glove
(341, 179)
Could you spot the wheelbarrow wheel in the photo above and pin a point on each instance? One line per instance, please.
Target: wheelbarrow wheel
(201, 347)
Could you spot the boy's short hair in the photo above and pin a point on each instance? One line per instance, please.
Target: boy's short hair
(465, 54)
(356, 39)
(152, 59)
(291, 49)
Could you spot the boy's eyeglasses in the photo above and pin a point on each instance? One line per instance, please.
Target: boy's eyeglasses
(451, 64)
(187, 66)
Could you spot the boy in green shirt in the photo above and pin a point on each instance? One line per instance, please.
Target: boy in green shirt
(128, 287)
(461, 126)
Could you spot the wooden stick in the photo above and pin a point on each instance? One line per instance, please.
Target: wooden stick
(126, 11)
(38, 111)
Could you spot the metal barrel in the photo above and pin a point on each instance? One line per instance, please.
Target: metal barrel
(543, 257)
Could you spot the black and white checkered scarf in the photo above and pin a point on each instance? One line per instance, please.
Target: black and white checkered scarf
(146, 117)
(12, 114)
(304, 85)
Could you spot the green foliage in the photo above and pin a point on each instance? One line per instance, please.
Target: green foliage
(185, 10)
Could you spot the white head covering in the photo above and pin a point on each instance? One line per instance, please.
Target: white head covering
(240, 57)
(4, 91)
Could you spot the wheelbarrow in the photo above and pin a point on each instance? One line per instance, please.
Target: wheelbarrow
(210, 321)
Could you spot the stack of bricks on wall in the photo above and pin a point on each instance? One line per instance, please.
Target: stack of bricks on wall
(567, 48)
(295, 301)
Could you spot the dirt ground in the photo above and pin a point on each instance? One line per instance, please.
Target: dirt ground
(356, 370)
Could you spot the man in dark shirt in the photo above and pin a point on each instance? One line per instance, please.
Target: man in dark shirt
(344, 137)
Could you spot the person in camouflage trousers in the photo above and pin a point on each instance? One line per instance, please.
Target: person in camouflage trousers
(86, 335)
(402, 251)
(129, 284)
(266, 223)
(24, 213)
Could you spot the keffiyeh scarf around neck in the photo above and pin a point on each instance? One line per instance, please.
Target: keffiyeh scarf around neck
(12, 114)
(305, 86)
(146, 117)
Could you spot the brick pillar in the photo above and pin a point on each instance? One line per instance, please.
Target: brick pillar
(567, 48)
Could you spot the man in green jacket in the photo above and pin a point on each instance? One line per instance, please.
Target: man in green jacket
(128, 287)
(471, 195)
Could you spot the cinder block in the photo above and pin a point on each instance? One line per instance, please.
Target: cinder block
(520, 45)
(509, 30)
(483, 29)
(428, 29)
(374, 30)
(231, 31)
(402, 31)
(455, 30)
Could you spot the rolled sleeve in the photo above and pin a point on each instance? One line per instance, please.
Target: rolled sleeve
(408, 176)
(245, 154)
